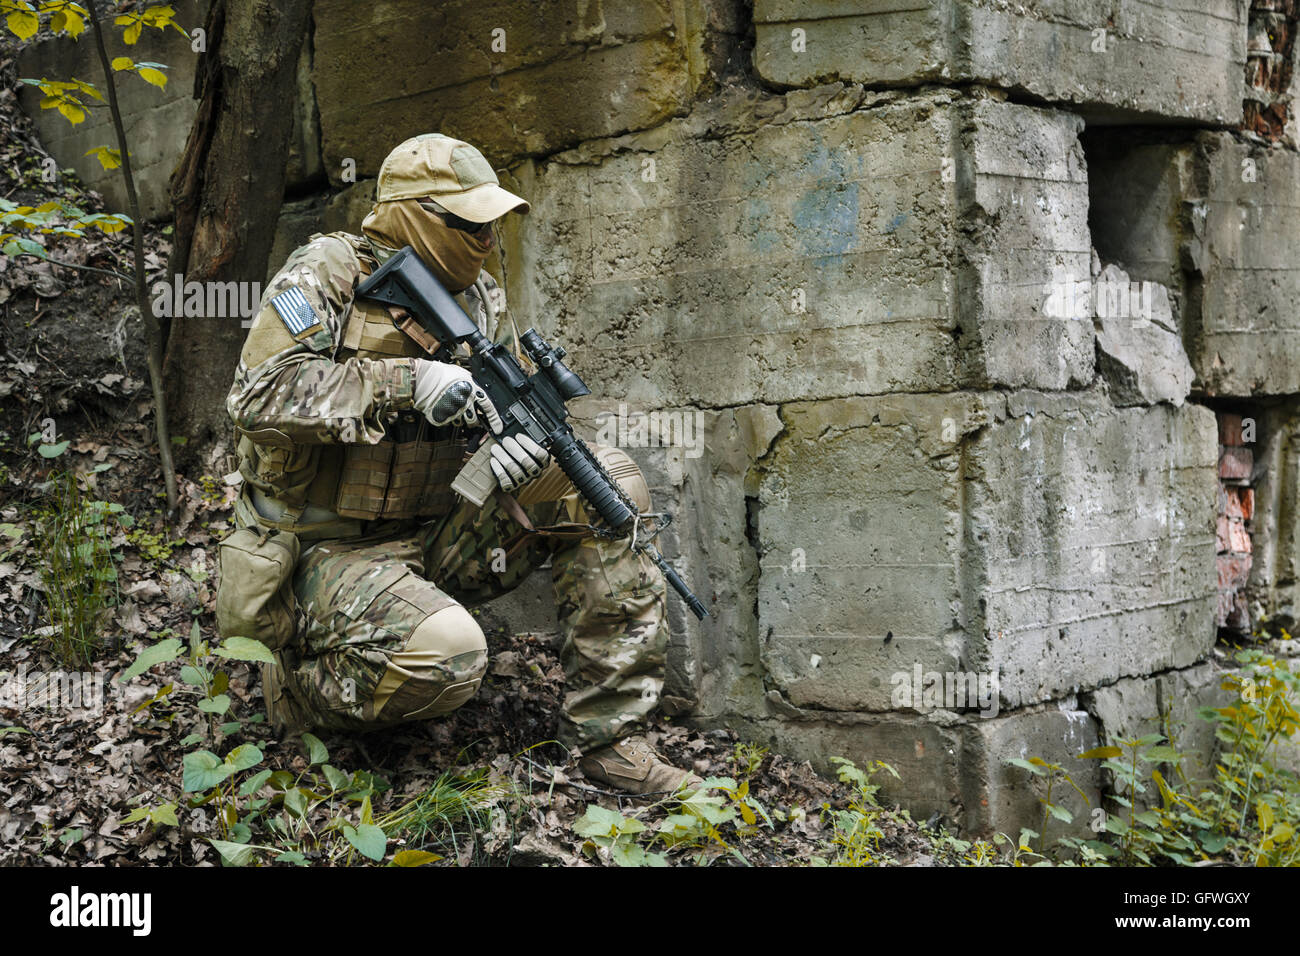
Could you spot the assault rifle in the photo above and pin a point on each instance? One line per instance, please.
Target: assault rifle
(533, 404)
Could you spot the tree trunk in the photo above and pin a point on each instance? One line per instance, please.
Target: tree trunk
(226, 195)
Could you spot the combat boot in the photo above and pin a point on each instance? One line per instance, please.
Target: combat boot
(633, 766)
(283, 712)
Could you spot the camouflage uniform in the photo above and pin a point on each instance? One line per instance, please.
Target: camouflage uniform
(382, 634)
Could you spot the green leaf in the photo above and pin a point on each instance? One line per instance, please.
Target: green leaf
(1214, 842)
(1100, 753)
(254, 783)
(598, 821)
(165, 815)
(719, 783)
(1060, 813)
(160, 653)
(244, 757)
(53, 451)
(215, 705)
(293, 856)
(234, 854)
(369, 840)
(316, 751)
(203, 770)
(337, 779)
(295, 802)
(229, 727)
(628, 854)
(190, 739)
(13, 730)
(414, 858)
(244, 649)
(19, 246)
(1161, 754)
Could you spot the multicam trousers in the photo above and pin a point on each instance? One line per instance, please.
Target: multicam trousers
(384, 637)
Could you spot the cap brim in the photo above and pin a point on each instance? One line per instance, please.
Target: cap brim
(483, 203)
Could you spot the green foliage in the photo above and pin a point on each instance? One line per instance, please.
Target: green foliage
(444, 814)
(78, 571)
(261, 815)
(72, 98)
(1247, 813)
(856, 832)
(153, 547)
(700, 823)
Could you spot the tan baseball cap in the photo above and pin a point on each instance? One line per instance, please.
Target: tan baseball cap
(451, 173)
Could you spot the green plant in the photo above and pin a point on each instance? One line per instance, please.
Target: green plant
(748, 758)
(1055, 774)
(697, 823)
(437, 816)
(78, 571)
(1248, 812)
(153, 547)
(856, 834)
(293, 817)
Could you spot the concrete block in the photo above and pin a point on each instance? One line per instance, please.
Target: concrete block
(1025, 200)
(952, 766)
(1162, 59)
(859, 523)
(510, 78)
(1140, 355)
(1001, 797)
(685, 268)
(1094, 527)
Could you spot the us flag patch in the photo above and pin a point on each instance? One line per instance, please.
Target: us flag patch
(295, 311)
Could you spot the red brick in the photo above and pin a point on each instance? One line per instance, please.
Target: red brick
(1229, 429)
(1234, 571)
(1240, 501)
(1238, 538)
(1236, 463)
(1231, 536)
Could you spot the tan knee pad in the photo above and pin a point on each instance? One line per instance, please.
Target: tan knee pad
(413, 688)
(624, 470)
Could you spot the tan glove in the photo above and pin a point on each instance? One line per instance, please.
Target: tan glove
(517, 460)
(447, 395)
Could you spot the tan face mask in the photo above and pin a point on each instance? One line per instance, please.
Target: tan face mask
(454, 256)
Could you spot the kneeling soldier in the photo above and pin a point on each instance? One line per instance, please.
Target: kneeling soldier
(349, 438)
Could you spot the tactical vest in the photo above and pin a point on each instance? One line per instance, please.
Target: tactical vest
(406, 475)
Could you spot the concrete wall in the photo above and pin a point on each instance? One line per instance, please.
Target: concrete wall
(864, 251)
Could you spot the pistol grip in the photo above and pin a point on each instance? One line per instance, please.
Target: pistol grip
(476, 481)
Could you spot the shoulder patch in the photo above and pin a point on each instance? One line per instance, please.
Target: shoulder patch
(296, 312)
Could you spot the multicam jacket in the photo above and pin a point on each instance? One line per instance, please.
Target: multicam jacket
(322, 399)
